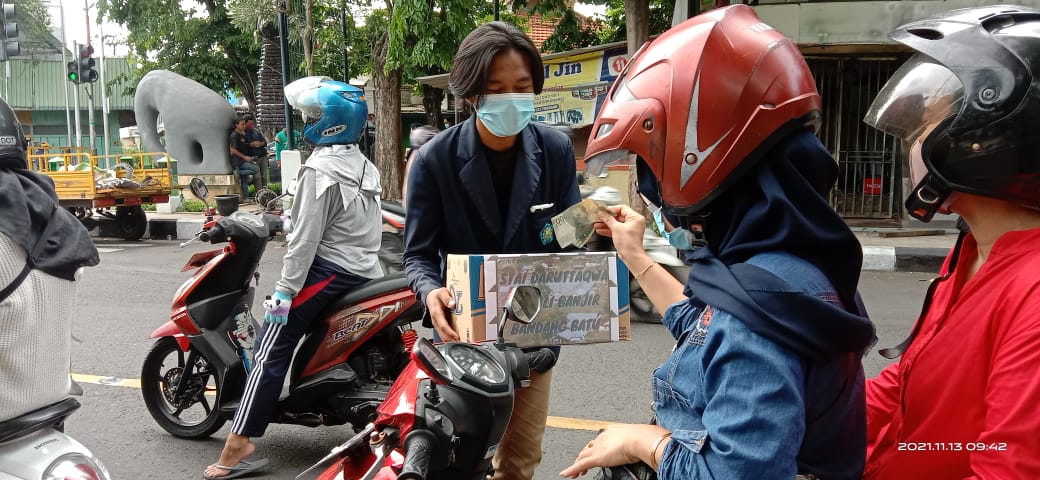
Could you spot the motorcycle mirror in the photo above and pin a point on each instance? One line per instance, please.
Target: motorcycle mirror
(430, 360)
(290, 188)
(523, 304)
(198, 188)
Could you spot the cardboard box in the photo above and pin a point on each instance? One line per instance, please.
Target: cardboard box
(584, 297)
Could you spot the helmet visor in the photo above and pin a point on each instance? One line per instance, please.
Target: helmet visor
(596, 166)
(302, 94)
(919, 96)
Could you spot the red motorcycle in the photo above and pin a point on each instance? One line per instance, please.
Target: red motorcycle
(193, 378)
(447, 411)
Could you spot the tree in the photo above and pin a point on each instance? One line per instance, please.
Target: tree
(34, 28)
(200, 44)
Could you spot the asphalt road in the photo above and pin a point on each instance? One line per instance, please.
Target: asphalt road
(126, 297)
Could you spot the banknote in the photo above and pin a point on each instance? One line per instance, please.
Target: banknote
(574, 225)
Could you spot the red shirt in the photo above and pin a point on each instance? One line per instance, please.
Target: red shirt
(964, 400)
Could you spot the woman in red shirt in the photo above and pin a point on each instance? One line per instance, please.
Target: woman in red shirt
(963, 399)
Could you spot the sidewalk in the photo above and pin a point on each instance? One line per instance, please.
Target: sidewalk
(884, 249)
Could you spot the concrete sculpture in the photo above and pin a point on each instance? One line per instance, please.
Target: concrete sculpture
(197, 121)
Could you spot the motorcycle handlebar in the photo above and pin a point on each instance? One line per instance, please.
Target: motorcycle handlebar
(418, 447)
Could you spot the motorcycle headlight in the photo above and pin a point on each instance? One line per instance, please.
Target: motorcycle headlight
(76, 466)
(475, 362)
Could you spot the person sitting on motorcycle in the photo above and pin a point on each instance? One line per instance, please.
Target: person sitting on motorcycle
(416, 139)
(491, 184)
(42, 250)
(969, 375)
(765, 380)
(336, 234)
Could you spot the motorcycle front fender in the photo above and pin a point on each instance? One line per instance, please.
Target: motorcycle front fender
(170, 329)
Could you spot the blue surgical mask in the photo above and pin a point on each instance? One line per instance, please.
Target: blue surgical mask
(506, 114)
(679, 238)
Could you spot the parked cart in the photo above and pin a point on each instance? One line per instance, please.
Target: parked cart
(113, 186)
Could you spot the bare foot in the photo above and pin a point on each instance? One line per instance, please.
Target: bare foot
(236, 449)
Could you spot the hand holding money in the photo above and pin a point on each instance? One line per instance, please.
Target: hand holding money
(625, 226)
(574, 226)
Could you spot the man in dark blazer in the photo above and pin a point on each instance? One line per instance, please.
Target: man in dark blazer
(490, 185)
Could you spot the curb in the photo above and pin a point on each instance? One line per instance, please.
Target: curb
(903, 259)
(173, 228)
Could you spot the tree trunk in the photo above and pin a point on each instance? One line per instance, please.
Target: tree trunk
(432, 98)
(388, 148)
(637, 32)
(270, 109)
(308, 36)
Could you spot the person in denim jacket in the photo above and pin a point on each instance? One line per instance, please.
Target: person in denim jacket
(765, 379)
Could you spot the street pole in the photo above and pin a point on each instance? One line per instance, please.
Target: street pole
(283, 43)
(104, 95)
(64, 61)
(90, 89)
(75, 94)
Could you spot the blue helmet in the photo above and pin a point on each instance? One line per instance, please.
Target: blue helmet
(335, 112)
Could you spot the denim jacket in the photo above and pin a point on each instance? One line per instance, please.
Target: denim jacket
(740, 406)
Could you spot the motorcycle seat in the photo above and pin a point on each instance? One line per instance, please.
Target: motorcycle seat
(370, 289)
(37, 419)
(392, 207)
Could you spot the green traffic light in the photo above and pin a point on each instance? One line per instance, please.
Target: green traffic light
(73, 76)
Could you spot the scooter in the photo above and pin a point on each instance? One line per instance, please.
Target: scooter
(446, 413)
(194, 376)
(34, 446)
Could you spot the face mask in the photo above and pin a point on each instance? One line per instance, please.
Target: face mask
(679, 238)
(506, 114)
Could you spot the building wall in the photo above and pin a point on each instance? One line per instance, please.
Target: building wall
(36, 89)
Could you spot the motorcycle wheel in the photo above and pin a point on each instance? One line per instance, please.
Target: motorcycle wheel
(190, 414)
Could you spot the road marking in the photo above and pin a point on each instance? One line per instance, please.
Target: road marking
(555, 422)
(110, 381)
(105, 247)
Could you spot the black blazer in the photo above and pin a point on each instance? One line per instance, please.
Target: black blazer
(452, 207)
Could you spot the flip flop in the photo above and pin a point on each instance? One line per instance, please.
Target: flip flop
(242, 469)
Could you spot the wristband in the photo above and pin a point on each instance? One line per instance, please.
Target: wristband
(645, 269)
(657, 444)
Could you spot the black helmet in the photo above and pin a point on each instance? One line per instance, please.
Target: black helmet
(12, 141)
(967, 105)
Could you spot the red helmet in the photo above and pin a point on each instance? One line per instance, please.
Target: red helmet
(702, 102)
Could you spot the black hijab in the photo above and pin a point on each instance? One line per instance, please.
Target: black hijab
(781, 206)
(53, 238)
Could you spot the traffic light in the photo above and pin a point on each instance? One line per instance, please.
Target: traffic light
(73, 68)
(85, 65)
(9, 33)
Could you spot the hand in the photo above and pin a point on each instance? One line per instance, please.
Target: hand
(256, 143)
(277, 308)
(439, 303)
(541, 360)
(626, 228)
(615, 445)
